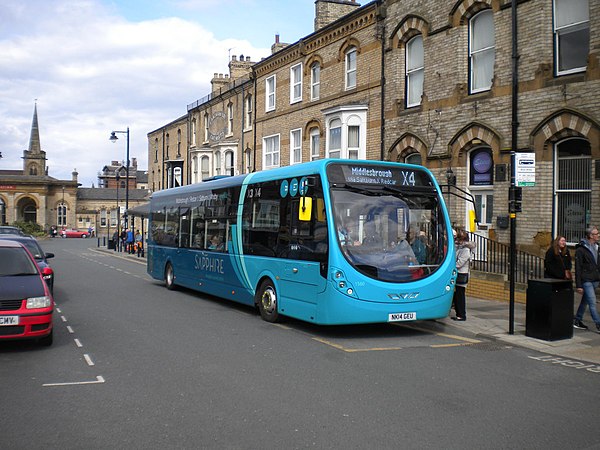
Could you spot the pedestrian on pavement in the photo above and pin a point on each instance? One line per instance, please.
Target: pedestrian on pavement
(587, 277)
(464, 249)
(557, 263)
(138, 243)
(129, 240)
(116, 239)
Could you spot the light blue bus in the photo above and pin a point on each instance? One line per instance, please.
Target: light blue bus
(328, 242)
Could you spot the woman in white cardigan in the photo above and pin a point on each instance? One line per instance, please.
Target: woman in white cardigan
(464, 249)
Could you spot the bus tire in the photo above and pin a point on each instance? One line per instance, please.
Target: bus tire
(169, 277)
(267, 302)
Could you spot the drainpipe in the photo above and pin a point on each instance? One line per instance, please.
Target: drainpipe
(514, 146)
(382, 13)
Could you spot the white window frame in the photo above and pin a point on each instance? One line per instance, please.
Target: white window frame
(295, 146)
(271, 151)
(315, 144)
(194, 132)
(217, 170)
(194, 169)
(229, 119)
(315, 81)
(415, 71)
(248, 160)
(206, 126)
(229, 162)
(270, 90)
(350, 67)
(487, 50)
(296, 83)
(565, 26)
(204, 167)
(248, 115)
(345, 117)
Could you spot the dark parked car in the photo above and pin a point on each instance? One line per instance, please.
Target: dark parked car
(26, 303)
(41, 258)
(5, 229)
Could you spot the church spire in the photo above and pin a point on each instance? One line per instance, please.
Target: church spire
(34, 140)
(34, 159)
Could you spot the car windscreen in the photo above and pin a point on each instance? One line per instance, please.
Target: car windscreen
(14, 261)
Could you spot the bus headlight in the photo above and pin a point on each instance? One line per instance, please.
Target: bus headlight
(350, 291)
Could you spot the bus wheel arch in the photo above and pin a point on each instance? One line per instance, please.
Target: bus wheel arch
(169, 276)
(267, 300)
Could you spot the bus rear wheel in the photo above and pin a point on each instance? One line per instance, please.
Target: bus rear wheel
(169, 277)
(267, 302)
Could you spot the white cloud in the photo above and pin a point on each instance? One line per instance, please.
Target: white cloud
(92, 72)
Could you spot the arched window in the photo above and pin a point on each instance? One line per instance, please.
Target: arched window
(413, 158)
(315, 81)
(573, 188)
(2, 212)
(218, 163)
(414, 71)
(229, 169)
(482, 51)
(61, 215)
(248, 112)
(315, 144)
(334, 149)
(205, 167)
(351, 68)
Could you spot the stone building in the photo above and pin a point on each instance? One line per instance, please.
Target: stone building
(449, 105)
(430, 83)
(32, 195)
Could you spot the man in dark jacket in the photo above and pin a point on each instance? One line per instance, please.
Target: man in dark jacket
(587, 277)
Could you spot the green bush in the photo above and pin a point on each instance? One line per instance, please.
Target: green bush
(30, 228)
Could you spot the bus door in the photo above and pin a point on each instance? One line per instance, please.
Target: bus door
(307, 250)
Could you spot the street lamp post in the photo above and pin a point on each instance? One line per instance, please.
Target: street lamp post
(117, 177)
(113, 138)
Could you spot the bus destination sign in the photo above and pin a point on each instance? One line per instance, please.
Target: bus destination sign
(378, 175)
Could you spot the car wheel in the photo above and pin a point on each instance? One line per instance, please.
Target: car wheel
(84, 236)
(46, 341)
(169, 277)
(267, 302)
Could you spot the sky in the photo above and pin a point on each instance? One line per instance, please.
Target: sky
(94, 66)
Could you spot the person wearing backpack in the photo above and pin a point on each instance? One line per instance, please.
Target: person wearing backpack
(464, 248)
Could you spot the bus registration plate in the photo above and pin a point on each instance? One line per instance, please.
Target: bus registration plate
(400, 317)
(9, 320)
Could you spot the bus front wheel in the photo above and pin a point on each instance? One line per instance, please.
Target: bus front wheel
(267, 302)
(169, 277)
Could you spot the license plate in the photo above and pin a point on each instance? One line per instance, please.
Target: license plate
(9, 320)
(400, 317)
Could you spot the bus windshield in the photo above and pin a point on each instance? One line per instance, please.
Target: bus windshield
(390, 233)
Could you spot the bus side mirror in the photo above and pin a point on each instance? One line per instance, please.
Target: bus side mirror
(305, 209)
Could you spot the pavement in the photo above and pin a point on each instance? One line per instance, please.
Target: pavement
(490, 319)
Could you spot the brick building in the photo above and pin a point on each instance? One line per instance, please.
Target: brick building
(422, 82)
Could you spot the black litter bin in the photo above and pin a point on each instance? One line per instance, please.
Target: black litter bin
(111, 244)
(549, 310)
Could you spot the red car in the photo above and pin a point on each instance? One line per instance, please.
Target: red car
(74, 234)
(26, 304)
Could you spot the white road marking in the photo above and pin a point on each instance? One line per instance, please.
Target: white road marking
(78, 343)
(99, 379)
(88, 360)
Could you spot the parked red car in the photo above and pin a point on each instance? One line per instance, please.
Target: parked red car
(26, 304)
(74, 234)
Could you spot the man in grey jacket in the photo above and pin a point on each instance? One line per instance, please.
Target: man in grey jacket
(587, 277)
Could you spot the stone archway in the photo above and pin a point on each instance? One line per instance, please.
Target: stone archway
(27, 210)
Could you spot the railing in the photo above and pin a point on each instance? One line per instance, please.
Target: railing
(494, 257)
